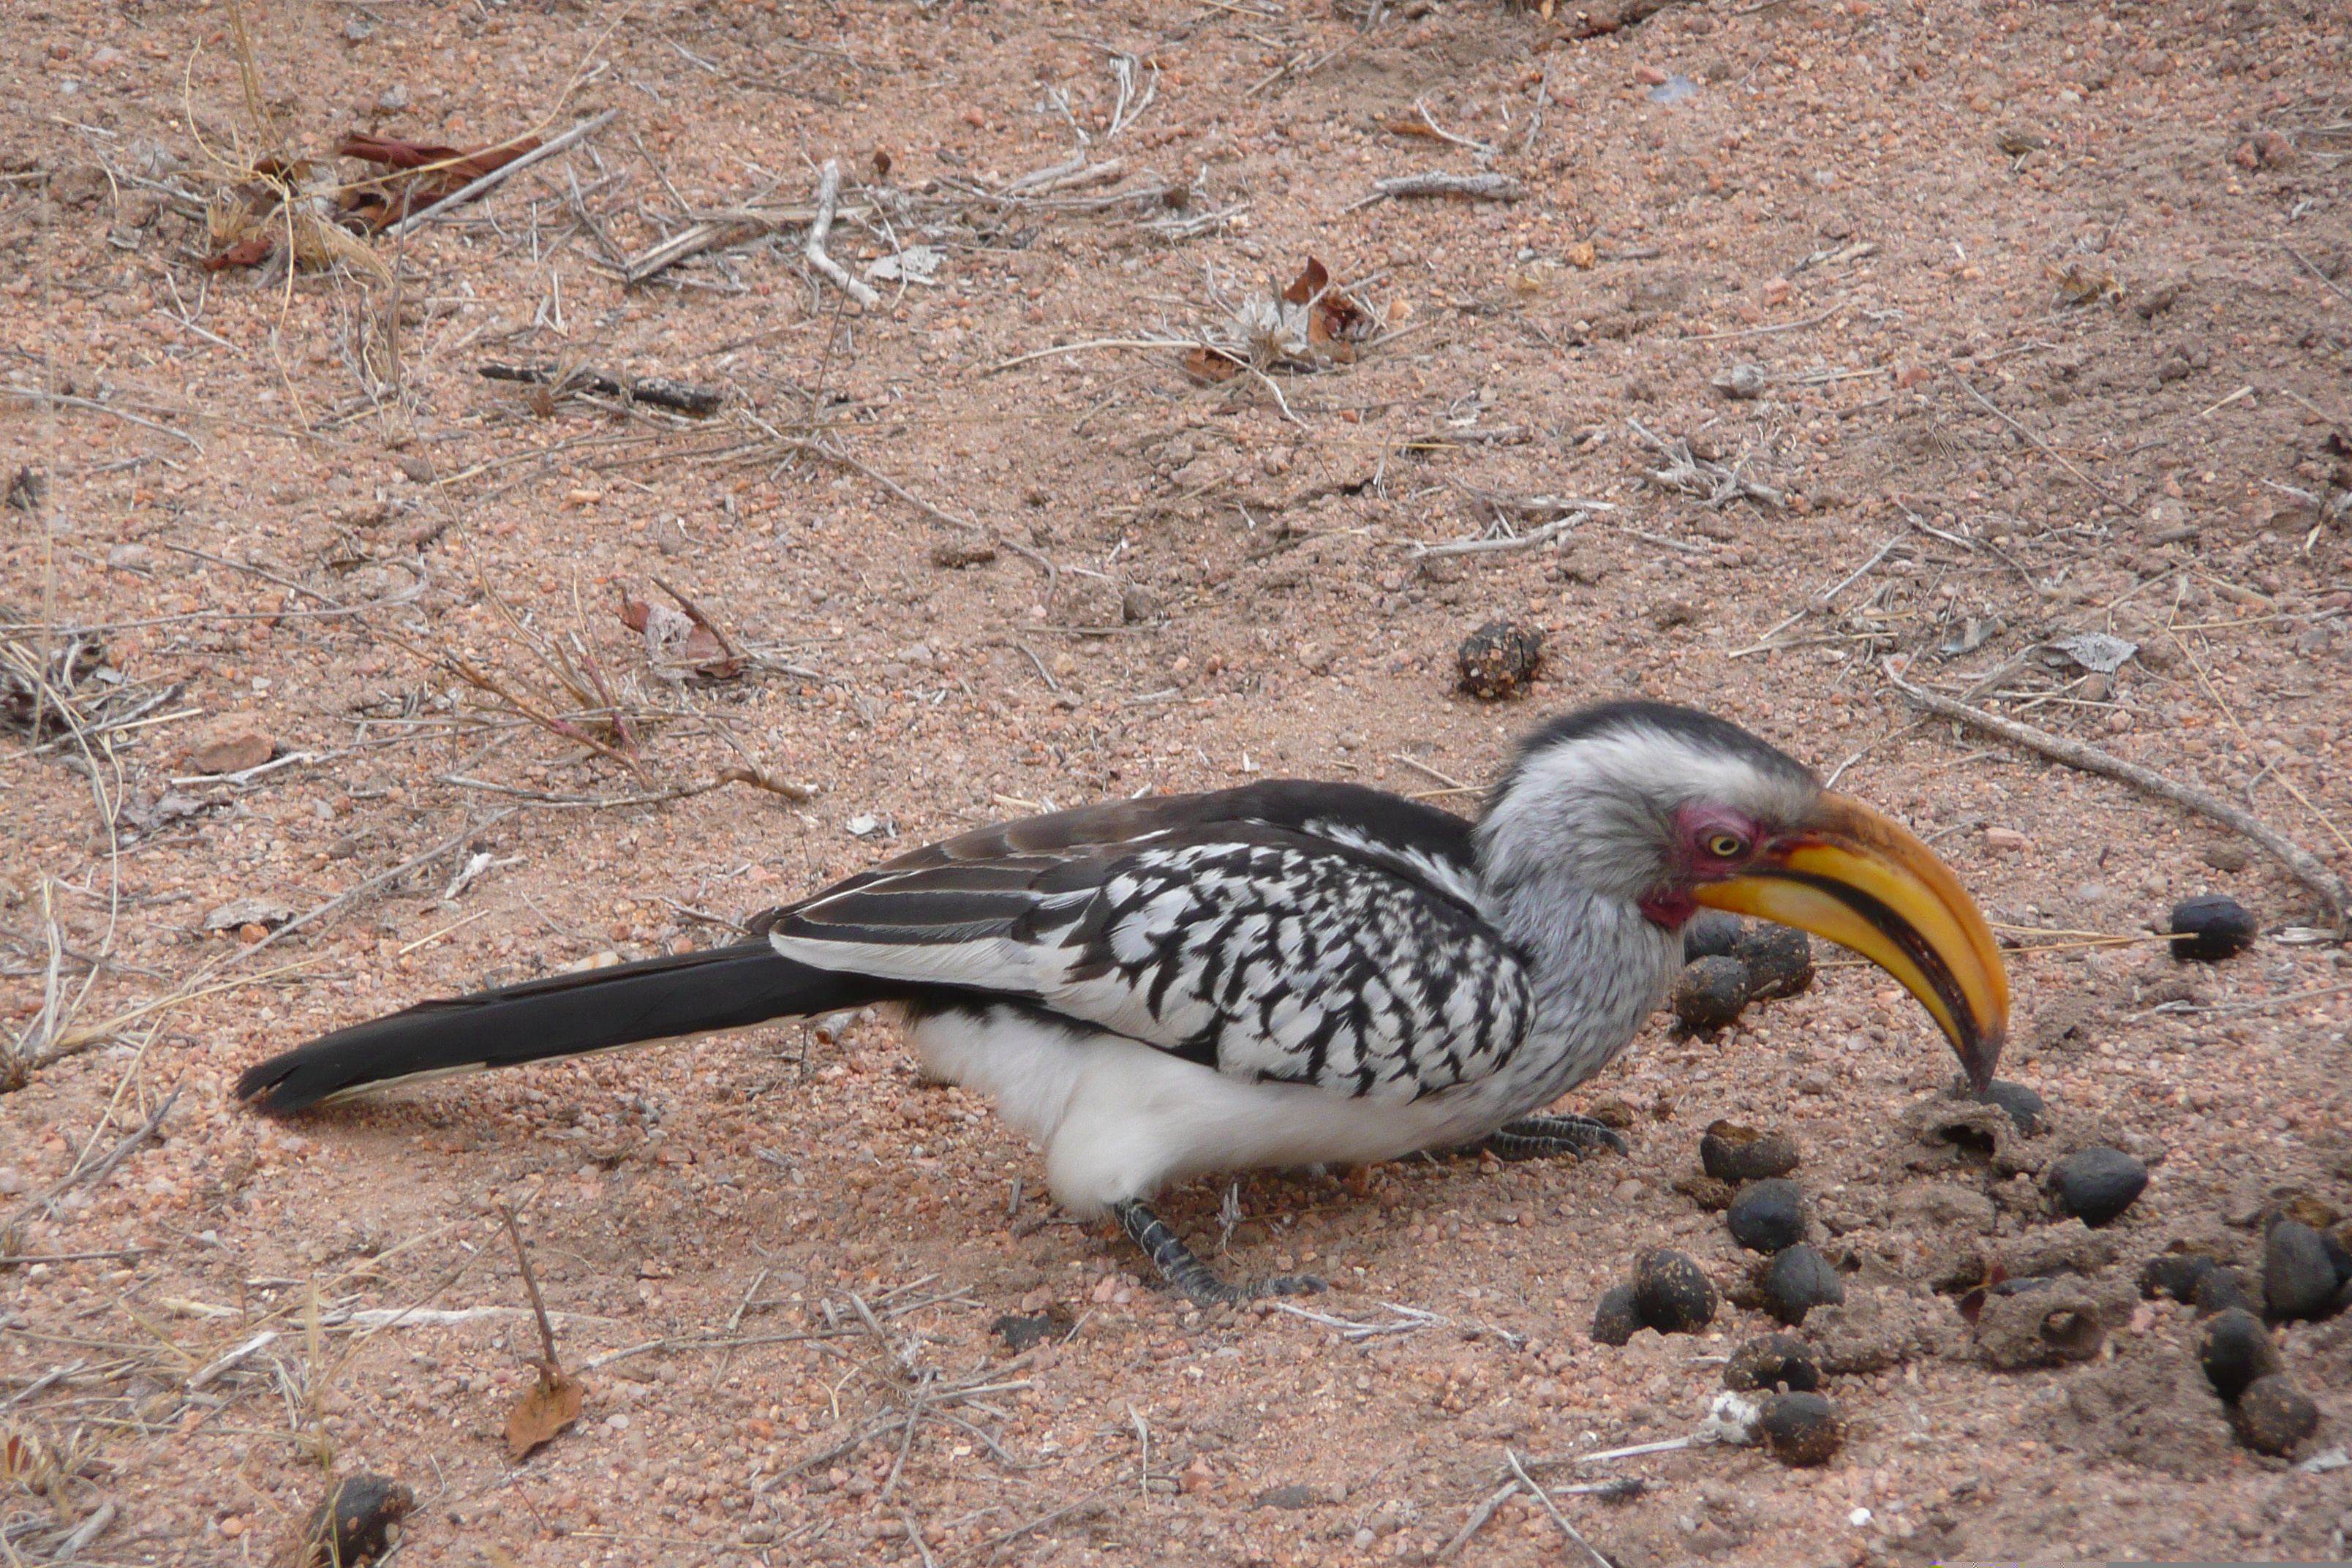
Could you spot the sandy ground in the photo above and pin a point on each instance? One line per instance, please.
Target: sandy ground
(286, 508)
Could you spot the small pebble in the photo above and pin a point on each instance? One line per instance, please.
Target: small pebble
(1780, 960)
(1735, 1154)
(1772, 1362)
(2096, 1184)
(2299, 1279)
(2273, 1416)
(2219, 1291)
(1740, 381)
(1710, 992)
(2174, 1273)
(1800, 1429)
(1768, 1216)
(1799, 1280)
(2211, 927)
(1711, 933)
(1499, 658)
(2025, 1108)
(1615, 1319)
(1672, 1294)
(2235, 1351)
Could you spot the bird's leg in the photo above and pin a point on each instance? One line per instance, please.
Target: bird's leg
(1545, 1137)
(1187, 1273)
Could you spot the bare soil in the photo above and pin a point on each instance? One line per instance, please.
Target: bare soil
(1886, 208)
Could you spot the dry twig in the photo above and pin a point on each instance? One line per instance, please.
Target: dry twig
(2300, 863)
(828, 192)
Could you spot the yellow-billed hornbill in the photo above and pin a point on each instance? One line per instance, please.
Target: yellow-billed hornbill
(1284, 974)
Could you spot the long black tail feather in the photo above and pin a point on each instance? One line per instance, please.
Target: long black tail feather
(564, 1015)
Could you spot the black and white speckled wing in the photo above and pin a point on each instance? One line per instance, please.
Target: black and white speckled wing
(1313, 934)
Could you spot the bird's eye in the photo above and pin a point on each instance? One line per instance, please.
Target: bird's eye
(1726, 846)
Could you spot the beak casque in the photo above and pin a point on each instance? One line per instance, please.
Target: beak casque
(1863, 880)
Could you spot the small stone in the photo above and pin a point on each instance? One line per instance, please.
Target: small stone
(1673, 1294)
(238, 913)
(1800, 1429)
(1711, 933)
(1611, 1112)
(1499, 658)
(2211, 927)
(1710, 993)
(1742, 381)
(2273, 1416)
(2220, 1291)
(1615, 1319)
(2024, 1107)
(2235, 1351)
(2094, 1186)
(2174, 1273)
(1799, 1280)
(1735, 1154)
(1780, 960)
(1768, 1216)
(1020, 1333)
(2299, 1278)
(2225, 857)
(1772, 1362)
(230, 745)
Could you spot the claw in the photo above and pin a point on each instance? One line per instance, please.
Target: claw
(1553, 1137)
(1182, 1269)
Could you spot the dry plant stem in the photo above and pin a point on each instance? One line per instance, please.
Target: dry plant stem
(720, 228)
(828, 192)
(1476, 188)
(2304, 866)
(1476, 1521)
(312, 916)
(63, 400)
(2039, 444)
(98, 1173)
(547, 149)
(551, 1372)
(1552, 1508)
(2205, 679)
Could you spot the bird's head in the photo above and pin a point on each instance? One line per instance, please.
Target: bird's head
(1670, 810)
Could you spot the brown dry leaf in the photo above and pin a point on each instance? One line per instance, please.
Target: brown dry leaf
(1336, 318)
(441, 172)
(1212, 365)
(679, 643)
(543, 1412)
(250, 251)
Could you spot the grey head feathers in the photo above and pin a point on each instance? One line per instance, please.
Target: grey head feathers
(1590, 800)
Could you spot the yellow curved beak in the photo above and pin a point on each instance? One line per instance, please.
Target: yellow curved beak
(1863, 880)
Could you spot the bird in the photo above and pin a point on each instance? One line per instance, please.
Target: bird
(1287, 974)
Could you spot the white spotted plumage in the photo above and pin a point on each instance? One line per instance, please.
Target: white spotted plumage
(1336, 974)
